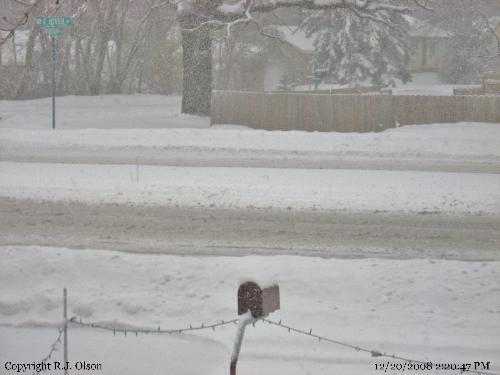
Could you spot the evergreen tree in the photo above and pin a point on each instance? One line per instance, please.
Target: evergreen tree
(356, 49)
(463, 63)
(473, 47)
(286, 83)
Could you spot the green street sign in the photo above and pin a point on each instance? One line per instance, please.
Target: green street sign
(54, 31)
(54, 21)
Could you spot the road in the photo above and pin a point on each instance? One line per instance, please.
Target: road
(239, 232)
(194, 156)
(445, 177)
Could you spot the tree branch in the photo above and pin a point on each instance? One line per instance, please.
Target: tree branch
(22, 21)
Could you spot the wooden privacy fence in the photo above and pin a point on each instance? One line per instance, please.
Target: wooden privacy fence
(347, 113)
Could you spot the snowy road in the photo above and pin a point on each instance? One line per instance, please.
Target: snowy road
(212, 157)
(215, 231)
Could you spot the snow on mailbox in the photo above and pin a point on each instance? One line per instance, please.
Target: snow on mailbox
(260, 301)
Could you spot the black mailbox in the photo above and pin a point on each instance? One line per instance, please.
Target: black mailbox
(260, 301)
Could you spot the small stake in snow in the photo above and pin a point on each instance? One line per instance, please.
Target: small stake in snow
(137, 169)
(253, 303)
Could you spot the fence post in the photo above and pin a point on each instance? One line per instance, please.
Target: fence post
(65, 314)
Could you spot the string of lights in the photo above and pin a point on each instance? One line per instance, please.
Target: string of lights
(373, 353)
(158, 330)
(53, 349)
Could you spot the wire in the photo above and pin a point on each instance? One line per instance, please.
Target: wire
(373, 353)
(191, 327)
(53, 348)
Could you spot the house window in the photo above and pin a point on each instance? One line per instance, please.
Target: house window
(432, 48)
(414, 44)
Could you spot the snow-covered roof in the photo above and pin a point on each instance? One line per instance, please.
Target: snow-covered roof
(297, 37)
(494, 21)
(422, 29)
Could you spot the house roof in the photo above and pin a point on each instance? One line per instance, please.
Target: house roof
(422, 29)
(495, 22)
(296, 37)
(418, 28)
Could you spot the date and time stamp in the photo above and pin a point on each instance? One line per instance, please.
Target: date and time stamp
(396, 367)
(387, 367)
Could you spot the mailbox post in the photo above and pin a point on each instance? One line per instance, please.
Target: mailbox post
(254, 302)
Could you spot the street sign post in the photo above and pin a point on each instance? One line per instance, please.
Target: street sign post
(54, 27)
(54, 31)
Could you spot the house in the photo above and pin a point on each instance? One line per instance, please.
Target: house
(290, 60)
(428, 44)
(495, 24)
(263, 63)
(290, 57)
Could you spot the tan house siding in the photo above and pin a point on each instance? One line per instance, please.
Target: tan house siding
(426, 53)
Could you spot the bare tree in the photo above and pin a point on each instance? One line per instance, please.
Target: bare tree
(14, 15)
(106, 47)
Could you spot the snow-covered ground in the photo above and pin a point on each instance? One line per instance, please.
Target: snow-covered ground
(149, 129)
(440, 147)
(117, 153)
(436, 310)
(426, 83)
(358, 190)
(108, 112)
(161, 166)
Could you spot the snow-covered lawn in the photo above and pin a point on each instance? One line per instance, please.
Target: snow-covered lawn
(426, 83)
(461, 139)
(420, 145)
(353, 190)
(104, 112)
(426, 309)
